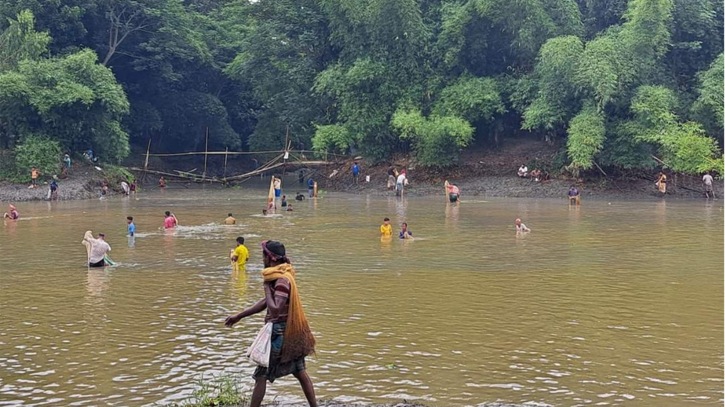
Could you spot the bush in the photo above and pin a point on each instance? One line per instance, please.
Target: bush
(114, 175)
(39, 152)
(437, 140)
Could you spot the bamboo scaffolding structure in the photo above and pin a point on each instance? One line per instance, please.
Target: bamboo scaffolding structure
(237, 153)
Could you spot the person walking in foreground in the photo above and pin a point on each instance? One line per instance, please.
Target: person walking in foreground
(291, 339)
(230, 220)
(707, 181)
(520, 227)
(97, 249)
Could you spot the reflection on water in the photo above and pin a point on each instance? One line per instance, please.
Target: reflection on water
(606, 304)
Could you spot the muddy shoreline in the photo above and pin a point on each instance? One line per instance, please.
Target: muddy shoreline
(515, 187)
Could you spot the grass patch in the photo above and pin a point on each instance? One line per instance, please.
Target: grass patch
(217, 391)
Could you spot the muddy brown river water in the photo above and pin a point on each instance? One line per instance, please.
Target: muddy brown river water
(614, 303)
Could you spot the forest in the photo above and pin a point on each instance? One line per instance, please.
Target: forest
(612, 83)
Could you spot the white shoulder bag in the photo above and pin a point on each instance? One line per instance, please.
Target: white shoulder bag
(261, 349)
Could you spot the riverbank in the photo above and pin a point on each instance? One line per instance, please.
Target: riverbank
(492, 173)
(83, 182)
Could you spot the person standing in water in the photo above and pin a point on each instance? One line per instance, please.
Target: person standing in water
(662, 183)
(707, 182)
(573, 195)
(386, 229)
(311, 187)
(162, 182)
(131, 226)
(292, 339)
(170, 220)
(240, 254)
(230, 220)
(98, 251)
(284, 201)
(454, 194)
(520, 227)
(277, 186)
(134, 186)
(53, 190)
(404, 232)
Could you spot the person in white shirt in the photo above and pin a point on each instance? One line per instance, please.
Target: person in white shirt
(97, 249)
(523, 171)
(399, 183)
(520, 227)
(707, 180)
(126, 189)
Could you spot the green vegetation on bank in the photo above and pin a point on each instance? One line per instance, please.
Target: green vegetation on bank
(618, 84)
(218, 391)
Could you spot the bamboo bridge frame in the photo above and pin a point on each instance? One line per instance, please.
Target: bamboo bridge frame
(282, 159)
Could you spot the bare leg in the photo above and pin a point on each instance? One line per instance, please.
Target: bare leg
(307, 388)
(260, 388)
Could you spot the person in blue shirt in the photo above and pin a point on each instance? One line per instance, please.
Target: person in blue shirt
(404, 232)
(355, 172)
(311, 187)
(131, 226)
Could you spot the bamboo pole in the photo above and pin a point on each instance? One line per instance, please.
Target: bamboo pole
(146, 162)
(238, 153)
(206, 151)
(226, 156)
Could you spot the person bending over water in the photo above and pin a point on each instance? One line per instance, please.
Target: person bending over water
(300, 197)
(291, 339)
(98, 250)
(230, 220)
(404, 232)
(170, 220)
(520, 227)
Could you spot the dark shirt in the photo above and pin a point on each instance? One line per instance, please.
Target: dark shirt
(284, 202)
(573, 192)
(280, 288)
(53, 186)
(310, 183)
(391, 172)
(402, 235)
(355, 169)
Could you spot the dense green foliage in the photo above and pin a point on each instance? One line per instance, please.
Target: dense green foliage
(619, 83)
(37, 152)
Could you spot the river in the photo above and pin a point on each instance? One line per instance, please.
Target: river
(613, 303)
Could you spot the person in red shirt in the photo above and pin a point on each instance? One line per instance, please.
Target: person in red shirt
(170, 220)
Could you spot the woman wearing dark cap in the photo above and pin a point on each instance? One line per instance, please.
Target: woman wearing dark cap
(291, 339)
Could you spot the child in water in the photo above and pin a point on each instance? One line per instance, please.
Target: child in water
(131, 226)
(386, 229)
(284, 201)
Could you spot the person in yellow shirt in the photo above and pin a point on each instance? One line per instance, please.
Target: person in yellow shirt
(386, 229)
(240, 254)
(230, 220)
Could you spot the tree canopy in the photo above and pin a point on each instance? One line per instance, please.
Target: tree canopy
(626, 84)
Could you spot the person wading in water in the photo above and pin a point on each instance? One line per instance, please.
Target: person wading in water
(291, 339)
